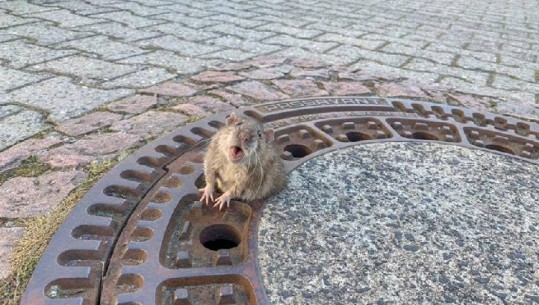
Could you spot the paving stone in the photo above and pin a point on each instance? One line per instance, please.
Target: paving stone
(9, 20)
(230, 55)
(82, 8)
(469, 101)
(345, 88)
(20, 7)
(171, 61)
(264, 73)
(257, 91)
(243, 22)
(191, 110)
(96, 147)
(44, 33)
(85, 68)
(150, 124)
(18, 124)
(129, 19)
(308, 63)
(297, 88)
(19, 53)
(65, 18)
(8, 240)
(301, 54)
(171, 43)
(119, 31)
(299, 72)
(66, 100)
(171, 89)
(394, 90)
(247, 34)
(218, 77)
(183, 32)
(104, 47)
(233, 99)
(350, 40)
(12, 156)
(11, 79)
(520, 109)
(245, 45)
(288, 30)
(357, 53)
(309, 45)
(24, 197)
(134, 104)
(208, 105)
(139, 79)
(266, 61)
(88, 123)
(138, 9)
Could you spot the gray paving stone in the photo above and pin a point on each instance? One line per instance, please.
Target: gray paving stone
(288, 30)
(139, 79)
(439, 57)
(11, 79)
(357, 53)
(10, 20)
(313, 46)
(105, 47)
(350, 40)
(119, 31)
(171, 61)
(62, 98)
(85, 68)
(18, 124)
(230, 55)
(19, 53)
(244, 33)
(477, 77)
(44, 33)
(129, 19)
(294, 52)
(139, 9)
(244, 23)
(20, 7)
(183, 32)
(522, 73)
(192, 10)
(245, 45)
(183, 47)
(195, 23)
(82, 8)
(65, 18)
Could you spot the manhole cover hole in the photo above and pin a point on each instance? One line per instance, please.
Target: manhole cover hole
(141, 237)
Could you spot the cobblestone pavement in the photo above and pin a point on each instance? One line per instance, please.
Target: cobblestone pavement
(86, 81)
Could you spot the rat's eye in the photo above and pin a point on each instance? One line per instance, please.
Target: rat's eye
(259, 134)
(239, 123)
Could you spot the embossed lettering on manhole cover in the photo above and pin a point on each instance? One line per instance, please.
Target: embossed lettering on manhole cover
(141, 237)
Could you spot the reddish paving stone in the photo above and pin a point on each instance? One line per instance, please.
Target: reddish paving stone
(233, 67)
(265, 73)
(134, 105)
(8, 240)
(191, 110)
(171, 89)
(299, 72)
(13, 156)
(88, 123)
(233, 99)
(150, 124)
(207, 104)
(357, 76)
(266, 61)
(307, 63)
(297, 88)
(257, 91)
(217, 77)
(93, 147)
(344, 88)
(472, 102)
(32, 196)
(399, 90)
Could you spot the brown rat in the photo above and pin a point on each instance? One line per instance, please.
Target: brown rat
(242, 161)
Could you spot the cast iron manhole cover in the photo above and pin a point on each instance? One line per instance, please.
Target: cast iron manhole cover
(141, 237)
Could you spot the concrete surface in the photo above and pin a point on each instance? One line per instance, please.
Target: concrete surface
(407, 223)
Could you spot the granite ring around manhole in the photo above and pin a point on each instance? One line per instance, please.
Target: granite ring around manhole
(141, 237)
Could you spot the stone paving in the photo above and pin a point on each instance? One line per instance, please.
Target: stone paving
(86, 81)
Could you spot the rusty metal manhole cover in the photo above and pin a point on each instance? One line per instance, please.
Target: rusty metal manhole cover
(141, 237)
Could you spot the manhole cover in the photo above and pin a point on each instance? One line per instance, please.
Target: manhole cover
(141, 237)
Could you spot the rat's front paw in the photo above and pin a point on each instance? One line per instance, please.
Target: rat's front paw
(207, 194)
(223, 200)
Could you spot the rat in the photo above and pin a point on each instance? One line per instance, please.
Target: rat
(242, 162)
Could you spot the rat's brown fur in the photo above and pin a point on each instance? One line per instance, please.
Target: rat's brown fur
(258, 175)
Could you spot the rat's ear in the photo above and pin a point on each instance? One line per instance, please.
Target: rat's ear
(270, 135)
(232, 118)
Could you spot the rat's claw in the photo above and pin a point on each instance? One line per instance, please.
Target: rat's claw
(207, 195)
(222, 201)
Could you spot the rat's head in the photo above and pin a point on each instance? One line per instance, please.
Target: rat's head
(246, 138)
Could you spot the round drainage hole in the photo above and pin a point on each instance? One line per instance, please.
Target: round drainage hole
(424, 136)
(297, 150)
(357, 136)
(217, 237)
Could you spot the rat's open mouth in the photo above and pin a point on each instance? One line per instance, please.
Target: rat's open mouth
(236, 153)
